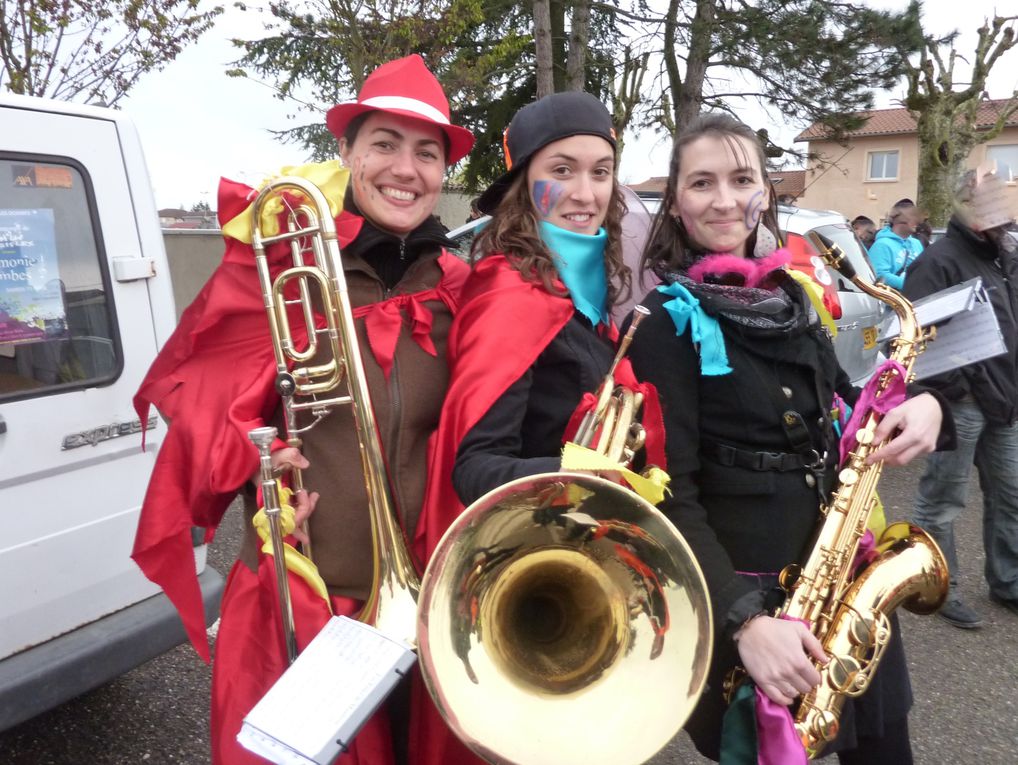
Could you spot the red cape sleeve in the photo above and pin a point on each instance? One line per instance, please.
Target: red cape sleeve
(213, 381)
(503, 326)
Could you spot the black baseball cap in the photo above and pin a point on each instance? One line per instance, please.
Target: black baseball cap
(545, 121)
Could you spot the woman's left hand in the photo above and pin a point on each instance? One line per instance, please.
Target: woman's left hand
(913, 428)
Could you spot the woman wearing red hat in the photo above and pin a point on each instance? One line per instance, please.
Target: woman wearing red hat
(397, 142)
(534, 334)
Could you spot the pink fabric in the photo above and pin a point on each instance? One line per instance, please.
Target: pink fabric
(865, 552)
(871, 399)
(754, 272)
(777, 741)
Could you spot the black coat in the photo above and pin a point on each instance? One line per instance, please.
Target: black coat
(957, 257)
(740, 521)
(522, 433)
(735, 518)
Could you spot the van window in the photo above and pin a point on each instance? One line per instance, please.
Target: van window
(57, 328)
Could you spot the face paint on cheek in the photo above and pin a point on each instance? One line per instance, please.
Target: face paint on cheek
(546, 195)
(754, 210)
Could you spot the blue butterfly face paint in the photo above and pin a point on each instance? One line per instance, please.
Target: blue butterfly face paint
(546, 195)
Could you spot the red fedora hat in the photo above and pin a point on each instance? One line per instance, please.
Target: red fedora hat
(404, 87)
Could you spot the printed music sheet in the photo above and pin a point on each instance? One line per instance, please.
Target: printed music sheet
(313, 712)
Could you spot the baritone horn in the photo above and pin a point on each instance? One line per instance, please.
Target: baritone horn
(320, 369)
(562, 609)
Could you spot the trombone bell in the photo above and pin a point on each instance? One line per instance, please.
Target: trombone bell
(558, 611)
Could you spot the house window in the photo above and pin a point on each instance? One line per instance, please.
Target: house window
(1006, 157)
(883, 166)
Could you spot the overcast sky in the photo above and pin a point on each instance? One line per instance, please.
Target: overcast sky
(196, 124)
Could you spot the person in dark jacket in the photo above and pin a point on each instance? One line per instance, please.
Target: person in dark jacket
(535, 331)
(983, 397)
(747, 377)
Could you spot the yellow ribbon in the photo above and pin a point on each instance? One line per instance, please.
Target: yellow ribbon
(295, 562)
(878, 521)
(651, 486)
(815, 293)
(329, 176)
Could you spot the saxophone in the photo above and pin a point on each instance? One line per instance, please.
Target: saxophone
(847, 608)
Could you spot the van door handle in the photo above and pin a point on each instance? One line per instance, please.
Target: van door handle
(3, 425)
(133, 269)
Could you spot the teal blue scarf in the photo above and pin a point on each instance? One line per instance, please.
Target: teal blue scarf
(579, 259)
(704, 330)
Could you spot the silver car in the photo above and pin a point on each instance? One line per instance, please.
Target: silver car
(860, 314)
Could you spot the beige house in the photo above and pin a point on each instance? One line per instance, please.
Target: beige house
(878, 164)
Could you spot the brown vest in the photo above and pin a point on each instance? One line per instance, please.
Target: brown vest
(407, 408)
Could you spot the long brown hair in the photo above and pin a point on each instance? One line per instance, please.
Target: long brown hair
(513, 231)
(669, 247)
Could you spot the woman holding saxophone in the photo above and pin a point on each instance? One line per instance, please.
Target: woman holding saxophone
(534, 334)
(397, 142)
(747, 377)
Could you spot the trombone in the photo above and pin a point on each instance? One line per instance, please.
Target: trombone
(310, 388)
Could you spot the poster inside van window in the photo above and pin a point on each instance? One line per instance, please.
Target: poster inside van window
(31, 304)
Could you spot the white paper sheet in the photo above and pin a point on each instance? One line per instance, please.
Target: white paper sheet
(316, 708)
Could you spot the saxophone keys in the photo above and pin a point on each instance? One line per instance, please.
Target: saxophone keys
(842, 672)
(848, 477)
(864, 436)
(823, 727)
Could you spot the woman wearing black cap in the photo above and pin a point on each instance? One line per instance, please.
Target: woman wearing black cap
(534, 334)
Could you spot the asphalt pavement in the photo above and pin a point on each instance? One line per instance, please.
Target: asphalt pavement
(964, 683)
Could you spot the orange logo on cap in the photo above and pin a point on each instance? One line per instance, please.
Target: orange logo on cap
(505, 148)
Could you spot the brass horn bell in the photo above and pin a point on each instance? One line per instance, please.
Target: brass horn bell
(558, 611)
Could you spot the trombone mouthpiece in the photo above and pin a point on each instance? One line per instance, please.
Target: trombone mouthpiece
(262, 437)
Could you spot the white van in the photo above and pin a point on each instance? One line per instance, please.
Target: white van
(85, 302)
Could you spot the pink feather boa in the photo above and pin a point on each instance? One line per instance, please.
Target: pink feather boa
(740, 272)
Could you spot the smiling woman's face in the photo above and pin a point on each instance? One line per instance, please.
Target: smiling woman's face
(571, 182)
(396, 167)
(720, 193)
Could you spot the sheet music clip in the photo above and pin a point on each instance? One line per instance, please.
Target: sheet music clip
(967, 328)
(315, 709)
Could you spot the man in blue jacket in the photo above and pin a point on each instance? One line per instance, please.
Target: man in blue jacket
(895, 246)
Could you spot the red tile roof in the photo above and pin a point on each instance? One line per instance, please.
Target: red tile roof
(655, 185)
(901, 121)
(791, 182)
(788, 182)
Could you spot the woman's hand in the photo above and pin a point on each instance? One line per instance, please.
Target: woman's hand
(283, 461)
(913, 427)
(776, 654)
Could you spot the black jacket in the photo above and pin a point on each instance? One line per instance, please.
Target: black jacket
(522, 432)
(735, 518)
(739, 520)
(957, 257)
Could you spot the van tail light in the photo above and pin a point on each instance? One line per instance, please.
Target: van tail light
(806, 259)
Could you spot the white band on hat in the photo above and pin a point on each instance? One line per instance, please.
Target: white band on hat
(407, 104)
